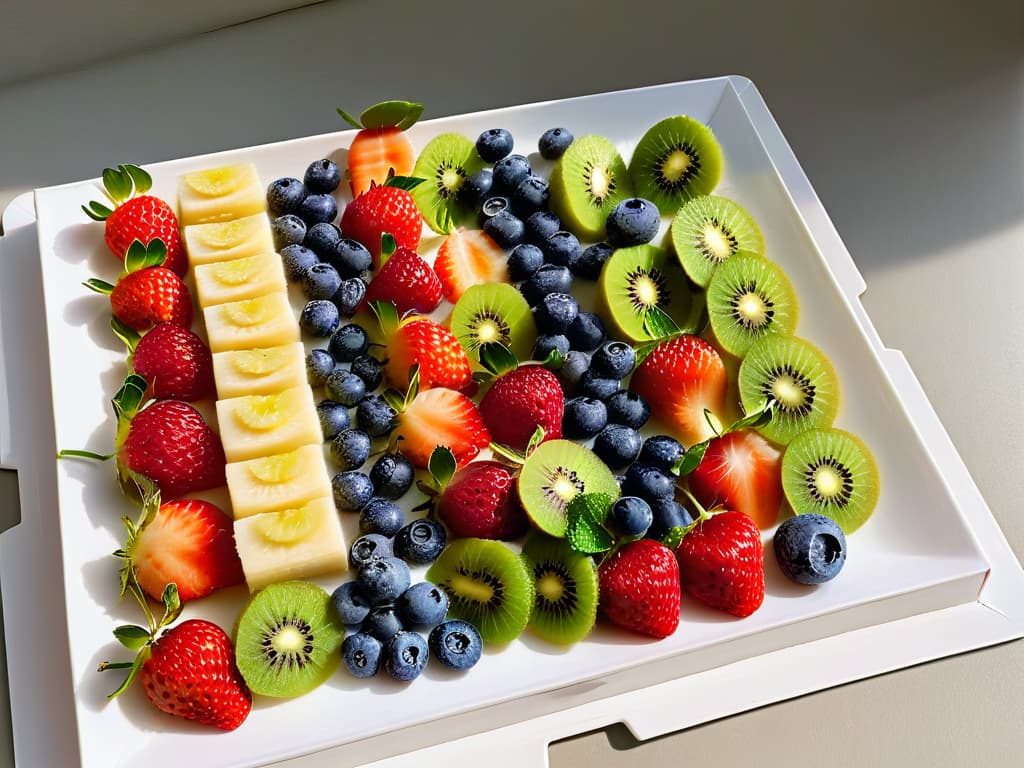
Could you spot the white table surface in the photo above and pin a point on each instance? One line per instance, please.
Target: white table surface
(908, 119)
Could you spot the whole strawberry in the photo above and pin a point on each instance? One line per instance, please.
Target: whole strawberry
(441, 358)
(721, 563)
(520, 401)
(383, 208)
(137, 216)
(175, 362)
(408, 282)
(639, 588)
(481, 501)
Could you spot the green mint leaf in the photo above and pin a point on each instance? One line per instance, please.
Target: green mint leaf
(131, 636)
(497, 358)
(658, 324)
(390, 114)
(140, 178)
(404, 182)
(118, 184)
(690, 460)
(348, 118)
(441, 466)
(585, 516)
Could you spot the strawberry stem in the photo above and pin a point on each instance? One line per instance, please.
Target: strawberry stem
(71, 453)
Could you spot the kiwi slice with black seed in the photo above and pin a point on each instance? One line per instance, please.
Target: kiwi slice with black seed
(565, 583)
(445, 163)
(831, 472)
(708, 230)
(798, 381)
(587, 182)
(287, 640)
(636, 279)
(493, 313)
(750, 298)
(676, 159)
(553, 475)
(487, 585)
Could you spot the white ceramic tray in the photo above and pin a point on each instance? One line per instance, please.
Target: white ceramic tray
(926, 552)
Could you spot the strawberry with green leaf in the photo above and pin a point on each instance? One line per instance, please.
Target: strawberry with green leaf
(406, 281)
(381, 148)
(384, 208)
(176, 363)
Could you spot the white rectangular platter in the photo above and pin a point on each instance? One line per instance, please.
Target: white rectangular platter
(916, 556)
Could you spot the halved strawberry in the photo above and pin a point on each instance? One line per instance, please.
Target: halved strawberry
(408, 282)
(441, 358)
(680, 379)
(381, 148)
(469, 257)
(741, 471)
(441, 417)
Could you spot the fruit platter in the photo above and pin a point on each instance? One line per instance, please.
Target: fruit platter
(463, 421)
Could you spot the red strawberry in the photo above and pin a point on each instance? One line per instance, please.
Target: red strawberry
(481, 501)
(721, 563)
(469, 257)
(381, 148)
(175, 362)
(639, 588)
(520, 401)
(679, 379)
(441, 417)
(742, 471)
(137, 216)
(408, 282)
(442, 360)
(383, 209)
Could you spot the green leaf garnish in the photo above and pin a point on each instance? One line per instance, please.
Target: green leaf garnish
(585, 517)
(394, 399)
(348, 118)
(497, 358)
(129, 336)
(387, 246)
(118, 184)
(658, 325)
(690, 460)
(441, 466)
(140, 178)
(388, 114)
(132, 636)
(97, 211)
(141, 256)
(753, 420)
(404, 182)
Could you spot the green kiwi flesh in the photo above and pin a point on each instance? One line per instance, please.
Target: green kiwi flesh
(487, 585)
(493, 313)
(831, 472)
(635, 279)
(555, 473)
(799, 381)
(708, 230)
(565, 585)
(287, 640)
(750, 298)
(587, 182)
(445, 163)
(676, 159)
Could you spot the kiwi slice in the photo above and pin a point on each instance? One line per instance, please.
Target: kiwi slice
(553, 475)
(487, 585)
(831, 472)
(565, 582)
(677, 159)
(709, 230)
(287, 640)
(797, 378)
(493, 313)
(586, 183)
(636, 279)
(750, 298)
(445, 163)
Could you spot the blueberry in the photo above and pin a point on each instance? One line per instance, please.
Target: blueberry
(381, 516)
(351, 490)
(553, 143)
(321, 281)
(420, 542)
(631, 516)
(422, 604)
(321, 239)
(573, 368)
(349, 603)
(550, 278)
(523, 261)
(649, 483)
(661, 451)
(555, 312)
(392, 475)
(632, 222)
(456, 644)
(319, 364)
(319, 318)
(405, 656)
(583, 417)
(810, 548)
(361, 654)
(492, 206)
(349, 295)
(368, 368)
(369, 547)
(494, 144)
(383, 579)
(586, 332)
(548, 343)
(476, 188)
(345, 387)
(350, 449)
(322, 176)
(285, 196)
(613, 360)
(668, 514)
(597, 387)
(383, 623)
(297, 259)
(288, 230)
(374, 416)
(628, 408)
(506, 228)
(318, 208)
(349, 342)
(592, 260)
(562, 248)
(531, 195)
(617, 446)
(509, 171)
(350, 257)
(333, 417)
(540, 226)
